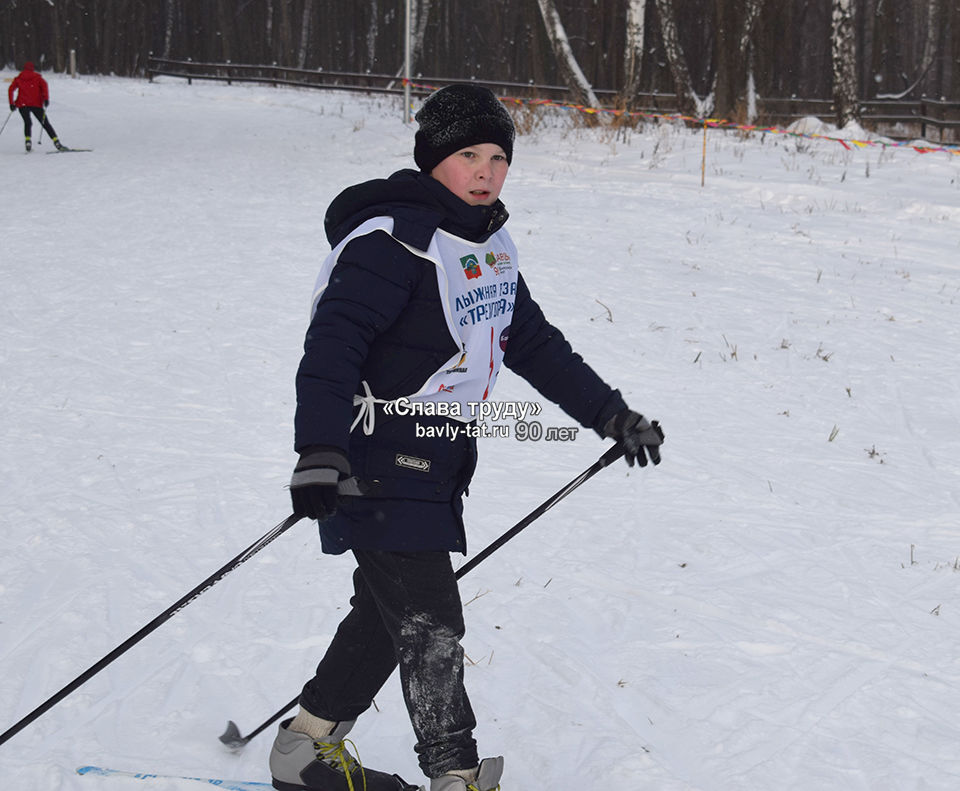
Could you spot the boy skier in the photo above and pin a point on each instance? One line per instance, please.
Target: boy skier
(418, 304)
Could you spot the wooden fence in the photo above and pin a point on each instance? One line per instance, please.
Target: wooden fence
(927, 119)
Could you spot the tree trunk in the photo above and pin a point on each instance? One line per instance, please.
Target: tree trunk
(269, 27)
(224, 26)
(305, 33)
(285, 47)
(421, 16)
(733, 35)
(58, 48)
(168, 27)
(372, 30)
(573, 75)
(930, 41)
(844, 64)
(726, 61)
(632, 54)
(106, 65)
(688, 101)
(951, 76)
(754, 7)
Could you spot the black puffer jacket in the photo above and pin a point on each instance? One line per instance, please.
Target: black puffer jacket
(380, 320)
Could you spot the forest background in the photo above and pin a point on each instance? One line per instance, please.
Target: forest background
(714, 55)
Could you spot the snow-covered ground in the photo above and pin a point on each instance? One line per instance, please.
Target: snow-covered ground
(774, 607)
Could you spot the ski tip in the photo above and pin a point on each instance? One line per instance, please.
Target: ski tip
(231, 737)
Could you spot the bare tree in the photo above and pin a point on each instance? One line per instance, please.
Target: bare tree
(285, 47)
(304, 33)
(372, 30)
(168, 27)
(735, 21)
(844, 51)
(421, 16)
(702, 50)
(268, 27)
(932, 33)
(572, 73)
(223, 29)
(731, 79)
(687, 99)
(632, 54)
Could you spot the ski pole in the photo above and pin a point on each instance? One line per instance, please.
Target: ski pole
(231, 736)
(608, 458)
(172, 610)
(43, 122)
(5, 123)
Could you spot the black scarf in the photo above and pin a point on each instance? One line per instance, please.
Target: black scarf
(418, 204)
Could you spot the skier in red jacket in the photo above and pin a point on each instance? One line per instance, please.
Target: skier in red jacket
(33, 96)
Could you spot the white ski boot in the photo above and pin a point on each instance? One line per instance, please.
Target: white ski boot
(300, 763)
(488, 778)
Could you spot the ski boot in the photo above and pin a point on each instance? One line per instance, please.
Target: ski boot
(58, 144)
(488, 778)
(28, 144)
(300, 763)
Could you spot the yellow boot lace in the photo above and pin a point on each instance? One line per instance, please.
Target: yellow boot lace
(338, 756)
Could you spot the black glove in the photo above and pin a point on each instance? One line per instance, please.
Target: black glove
(313, 487)
(638, 436)
(46, 102)
(13, 107)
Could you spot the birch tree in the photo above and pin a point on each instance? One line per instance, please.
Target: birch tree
(304, 33)
(421, 15)
(844, 50)
(735, 21)
(689, 103)
(268, 26)
(373, 30)
(572, 73)
(632, 54)
(168, 27)
(932, 29)
(734, 24)
(932, 33)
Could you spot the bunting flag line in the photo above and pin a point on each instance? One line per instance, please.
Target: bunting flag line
(719, 123)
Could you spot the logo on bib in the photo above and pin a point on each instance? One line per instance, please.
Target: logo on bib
(499, 262)
(471, 266)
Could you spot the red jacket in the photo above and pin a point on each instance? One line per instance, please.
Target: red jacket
(31, 88)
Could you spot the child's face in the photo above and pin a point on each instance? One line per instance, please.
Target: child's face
(474, 174)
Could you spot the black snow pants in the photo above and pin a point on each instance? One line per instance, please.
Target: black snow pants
(406, 610)
(41, 117)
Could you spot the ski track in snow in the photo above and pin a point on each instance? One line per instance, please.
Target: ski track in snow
(774, 607)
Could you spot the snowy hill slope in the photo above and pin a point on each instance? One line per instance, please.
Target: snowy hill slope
(775, 606)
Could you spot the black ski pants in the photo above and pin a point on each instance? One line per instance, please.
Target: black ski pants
(405, 610)
(41, 117)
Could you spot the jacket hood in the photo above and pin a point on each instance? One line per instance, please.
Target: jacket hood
(418, 204)
(28, 66)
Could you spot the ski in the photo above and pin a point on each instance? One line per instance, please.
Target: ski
(231, 785)
(66, 150)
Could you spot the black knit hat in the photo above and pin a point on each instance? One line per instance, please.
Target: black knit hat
(459, 116)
